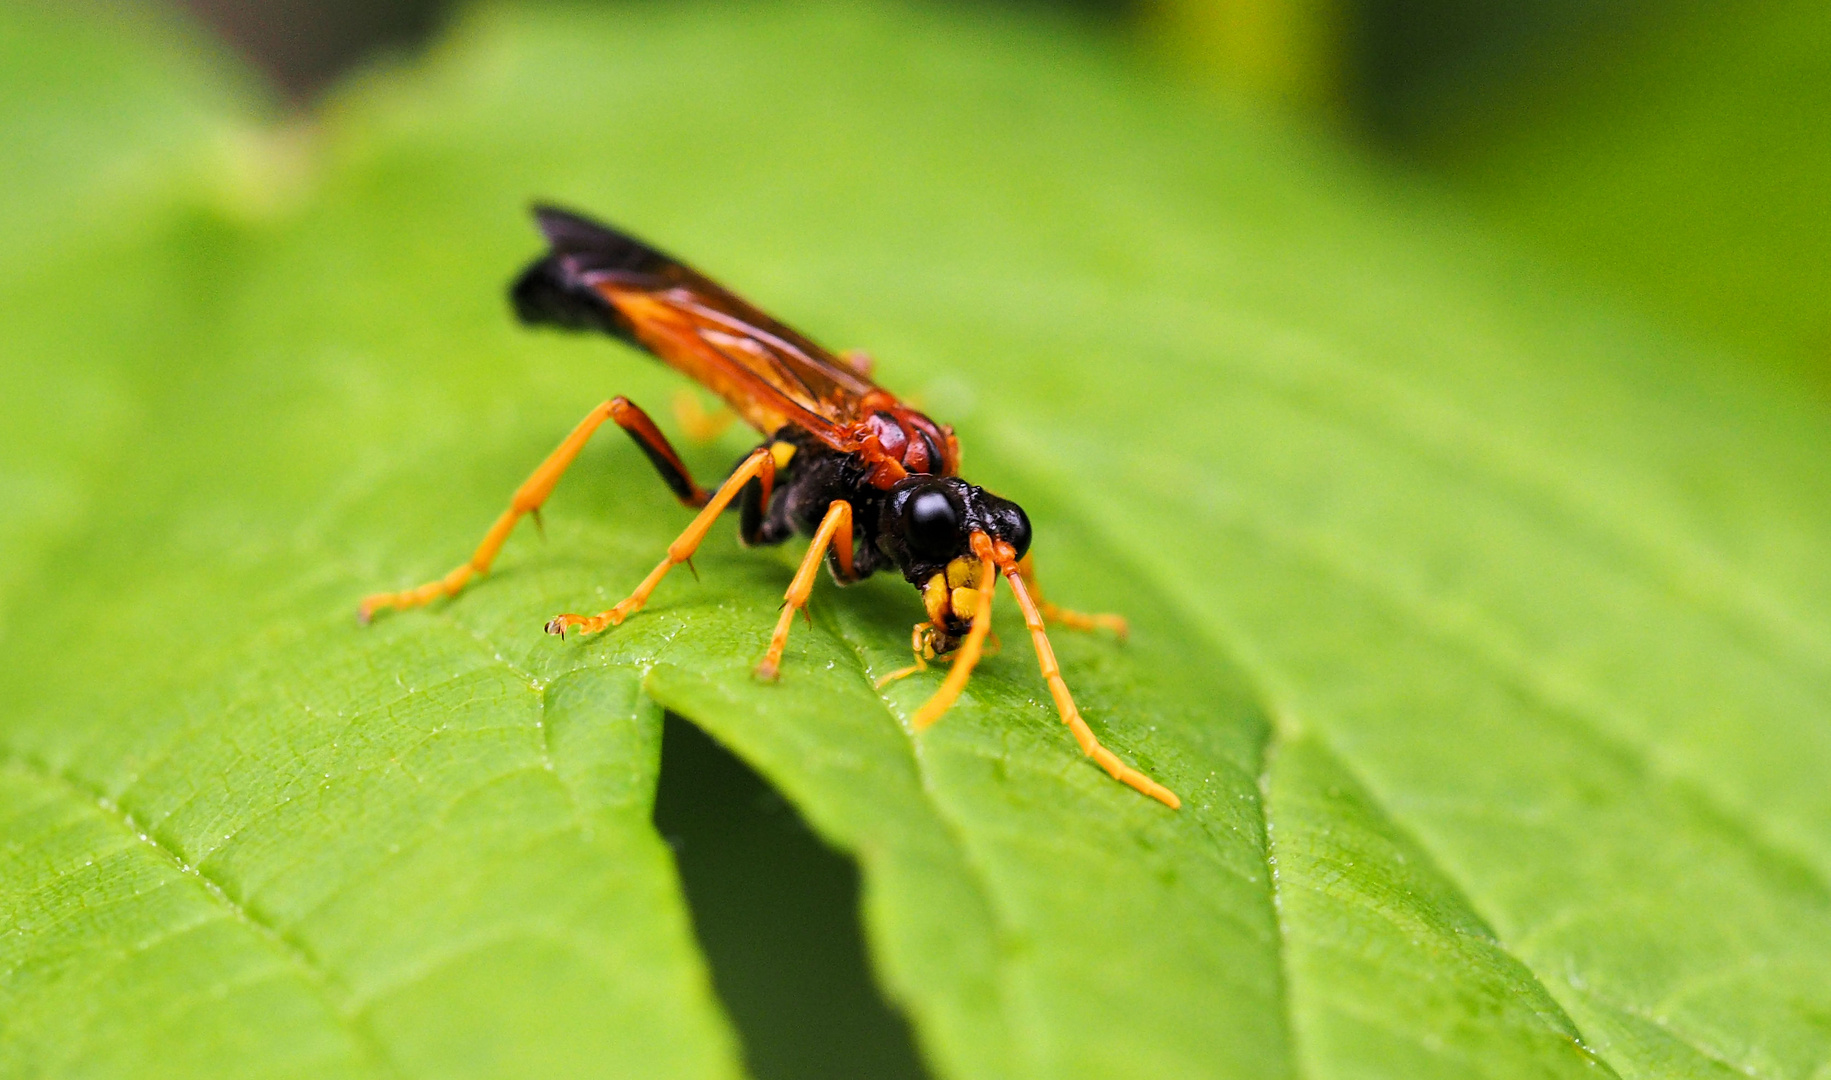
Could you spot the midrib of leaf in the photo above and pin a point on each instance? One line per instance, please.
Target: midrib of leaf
(1449, 628)
(1410, 922)
(1593, 714)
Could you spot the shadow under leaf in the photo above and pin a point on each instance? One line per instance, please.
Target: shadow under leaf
(776, 914)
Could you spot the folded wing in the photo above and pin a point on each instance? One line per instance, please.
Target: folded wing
(596, 278)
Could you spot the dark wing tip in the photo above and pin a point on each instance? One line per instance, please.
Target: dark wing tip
(547, 294)
(590, 245)
(557, 289)
(569, 233)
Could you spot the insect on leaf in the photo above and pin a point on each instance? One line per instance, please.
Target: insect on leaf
(1482, 632)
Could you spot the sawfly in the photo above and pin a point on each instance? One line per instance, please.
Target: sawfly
(871, 479)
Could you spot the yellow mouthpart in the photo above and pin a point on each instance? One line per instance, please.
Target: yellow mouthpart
(962, 576)
(934, 598)
(952, 591)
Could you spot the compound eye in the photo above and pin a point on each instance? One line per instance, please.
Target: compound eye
(933, 517)
(1015, 529)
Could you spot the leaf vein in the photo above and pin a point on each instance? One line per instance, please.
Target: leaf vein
(324, 985)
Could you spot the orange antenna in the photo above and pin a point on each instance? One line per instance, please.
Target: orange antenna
(1064, 702)
(970, 649)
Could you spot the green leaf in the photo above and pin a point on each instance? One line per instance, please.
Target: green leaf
(1483, 633)
(109, 119)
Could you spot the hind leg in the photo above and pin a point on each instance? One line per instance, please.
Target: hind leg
(533, 492)
(700, 423)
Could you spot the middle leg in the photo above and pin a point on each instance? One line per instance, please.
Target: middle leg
(758, 466)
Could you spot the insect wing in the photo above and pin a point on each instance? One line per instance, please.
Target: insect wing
(597, 278)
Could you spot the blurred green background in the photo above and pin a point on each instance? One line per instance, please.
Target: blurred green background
(1673, 155)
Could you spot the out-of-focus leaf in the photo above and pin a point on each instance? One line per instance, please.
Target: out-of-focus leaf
(1686, 166)
(1279, 52)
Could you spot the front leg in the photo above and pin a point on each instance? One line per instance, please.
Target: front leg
(1064, 701)
(836, 532)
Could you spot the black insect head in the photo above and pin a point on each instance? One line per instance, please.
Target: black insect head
(928, 521)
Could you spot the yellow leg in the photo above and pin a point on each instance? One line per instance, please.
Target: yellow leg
(835, 530)
(967, 657)
(699, 423)
(1064, 702)
(1073, 620)
(527, 500)
(759, 465)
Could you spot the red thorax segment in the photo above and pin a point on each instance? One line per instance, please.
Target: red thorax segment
(899, 440)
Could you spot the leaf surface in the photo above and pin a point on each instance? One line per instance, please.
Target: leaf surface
(1482, 632)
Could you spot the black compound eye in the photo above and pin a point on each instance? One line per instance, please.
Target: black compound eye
(1014, 529)
(933, 518)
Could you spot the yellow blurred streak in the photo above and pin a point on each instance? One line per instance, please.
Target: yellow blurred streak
(1283, 52)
